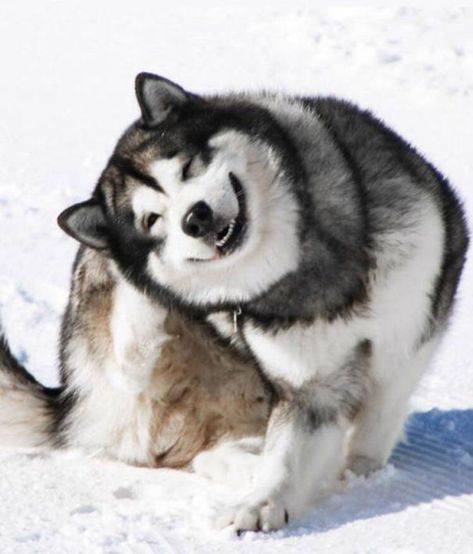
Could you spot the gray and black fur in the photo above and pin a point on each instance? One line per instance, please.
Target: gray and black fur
(307, 233)
(337, 241)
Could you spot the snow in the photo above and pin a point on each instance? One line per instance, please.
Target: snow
(66, 95)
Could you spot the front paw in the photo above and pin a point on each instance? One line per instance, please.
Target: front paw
(262, 513)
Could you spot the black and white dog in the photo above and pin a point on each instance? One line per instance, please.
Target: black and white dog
(308, 233)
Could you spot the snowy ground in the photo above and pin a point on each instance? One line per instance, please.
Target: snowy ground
(66, 94)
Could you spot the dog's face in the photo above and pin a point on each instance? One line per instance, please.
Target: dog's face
(194, 199)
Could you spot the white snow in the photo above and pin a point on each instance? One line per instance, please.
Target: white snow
(65, 96)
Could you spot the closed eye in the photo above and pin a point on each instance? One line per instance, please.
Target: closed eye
(150, 220)
(186, 169)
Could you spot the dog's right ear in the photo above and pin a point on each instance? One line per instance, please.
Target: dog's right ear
(158, 97)
(87, 223)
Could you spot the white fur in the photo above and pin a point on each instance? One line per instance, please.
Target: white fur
(232, 462)
(270, 249)
(301, 352)
(112, 417)
(297, 466)
(24, 417)
(137, 328)
(379, 425)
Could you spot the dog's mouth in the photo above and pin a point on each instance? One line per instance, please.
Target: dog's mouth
(232, 235)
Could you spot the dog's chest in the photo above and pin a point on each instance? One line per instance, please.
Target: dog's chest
(295, 354)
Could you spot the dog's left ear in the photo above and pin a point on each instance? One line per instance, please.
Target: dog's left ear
(158, 97)
(87, 223)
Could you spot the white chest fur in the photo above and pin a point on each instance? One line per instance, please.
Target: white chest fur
(393, 321)
(303, 352)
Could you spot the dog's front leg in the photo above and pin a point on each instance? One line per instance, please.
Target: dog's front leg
(137, 329)
(302, 457)
(304, 446)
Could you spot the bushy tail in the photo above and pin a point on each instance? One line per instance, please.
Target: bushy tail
(26, 406)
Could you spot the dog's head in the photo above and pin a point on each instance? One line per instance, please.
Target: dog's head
(195, 198)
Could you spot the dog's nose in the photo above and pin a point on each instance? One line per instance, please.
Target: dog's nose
(198, 221)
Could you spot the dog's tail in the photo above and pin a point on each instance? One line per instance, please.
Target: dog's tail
(26, 407)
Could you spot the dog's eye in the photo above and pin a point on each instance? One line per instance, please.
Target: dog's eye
(186, 168)
(150, 220)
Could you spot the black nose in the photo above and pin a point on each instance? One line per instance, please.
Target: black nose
(198, 220)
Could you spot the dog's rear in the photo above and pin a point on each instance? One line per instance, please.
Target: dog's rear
(26, 407)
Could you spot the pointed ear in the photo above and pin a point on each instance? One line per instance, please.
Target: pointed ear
(158, 97)
(86, 223)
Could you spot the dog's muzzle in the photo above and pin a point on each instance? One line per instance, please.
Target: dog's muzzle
(201, 222)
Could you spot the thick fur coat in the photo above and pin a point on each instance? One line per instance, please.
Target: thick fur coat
(313, 239)
(139, 383)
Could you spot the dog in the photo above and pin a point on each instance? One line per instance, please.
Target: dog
(139, 383)
(312, 238)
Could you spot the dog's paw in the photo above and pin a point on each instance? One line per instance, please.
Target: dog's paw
(264, 513)
(210, 465)
(232, 463)
(362, 465)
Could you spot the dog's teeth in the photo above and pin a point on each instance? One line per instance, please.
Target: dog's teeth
(228, 234)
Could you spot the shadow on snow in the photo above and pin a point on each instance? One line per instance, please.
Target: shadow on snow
(434, 461)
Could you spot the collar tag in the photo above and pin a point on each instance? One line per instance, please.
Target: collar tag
(236, 313)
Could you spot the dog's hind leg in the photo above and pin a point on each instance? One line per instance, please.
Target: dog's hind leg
(137, 328)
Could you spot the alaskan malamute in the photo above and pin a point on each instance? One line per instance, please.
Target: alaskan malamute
(311, 237)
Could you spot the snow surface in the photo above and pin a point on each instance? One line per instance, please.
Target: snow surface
(66, 95)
